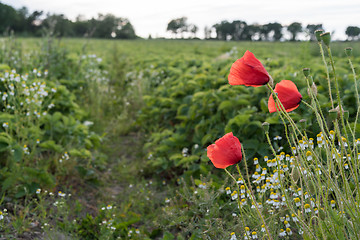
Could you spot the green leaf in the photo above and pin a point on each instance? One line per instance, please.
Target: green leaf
(239, 120)
(17, 153)
(206, 139)
(5, 141)
(51, 145)
(168, 236)
(81, 153)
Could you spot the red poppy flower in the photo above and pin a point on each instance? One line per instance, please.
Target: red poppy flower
(288, 95)
(225, 152)
(248, 71)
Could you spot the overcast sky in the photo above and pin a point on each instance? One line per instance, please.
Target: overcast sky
(152, 16)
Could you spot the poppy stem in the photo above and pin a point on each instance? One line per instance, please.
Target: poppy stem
(356, 91)
(337, 91)
(327, 72)
(238, 198)
(253, 200)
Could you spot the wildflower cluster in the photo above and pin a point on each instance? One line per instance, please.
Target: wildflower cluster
(311, 180)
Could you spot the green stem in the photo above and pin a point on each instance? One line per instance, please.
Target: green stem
(337, 92)
(327, 73)
(252, 199)
(238, 198)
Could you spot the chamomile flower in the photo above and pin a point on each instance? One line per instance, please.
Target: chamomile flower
(234, 195)
(309, 156)
(332, 134)
(61, 194)
(306, 195)
(277, 138)
(242, 189)
(294, 218)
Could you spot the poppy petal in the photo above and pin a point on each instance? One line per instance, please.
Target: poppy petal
(288, 95)
(248, 71)
(225, 152)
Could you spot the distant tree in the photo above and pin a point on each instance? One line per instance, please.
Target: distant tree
(251, 32)
(352, 32)
(264, 32)
(294, 28)
(110, 26)
(275, 31)
(223, 30)
(178, 25)
(124, 29)
(238, 29)
(207, 32)
(311, 28)
(22, 15)
(8, 18)
(58, 25)
(33, 23)
(193, 29)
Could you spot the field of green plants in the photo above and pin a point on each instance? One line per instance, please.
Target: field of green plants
(107, 139)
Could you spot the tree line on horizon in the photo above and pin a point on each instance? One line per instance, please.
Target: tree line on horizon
(36, 23)
(239, 30)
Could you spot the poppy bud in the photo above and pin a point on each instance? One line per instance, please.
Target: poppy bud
(302, 123)
(306, 72)
(337, 111)
(295, 174)
(271, 81)
(348, 51)
(312, 90)
(266, 126)
(317, 34)
(326, 38)
(333, 114)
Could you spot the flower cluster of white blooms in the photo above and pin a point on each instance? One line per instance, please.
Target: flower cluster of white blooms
(26, 94)
(65, 157)
(93, 70)
(137, 231)
(271, 190)
(108, 207)
(2, 214)
(108, 224)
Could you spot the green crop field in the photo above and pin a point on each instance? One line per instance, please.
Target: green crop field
(107, 139)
